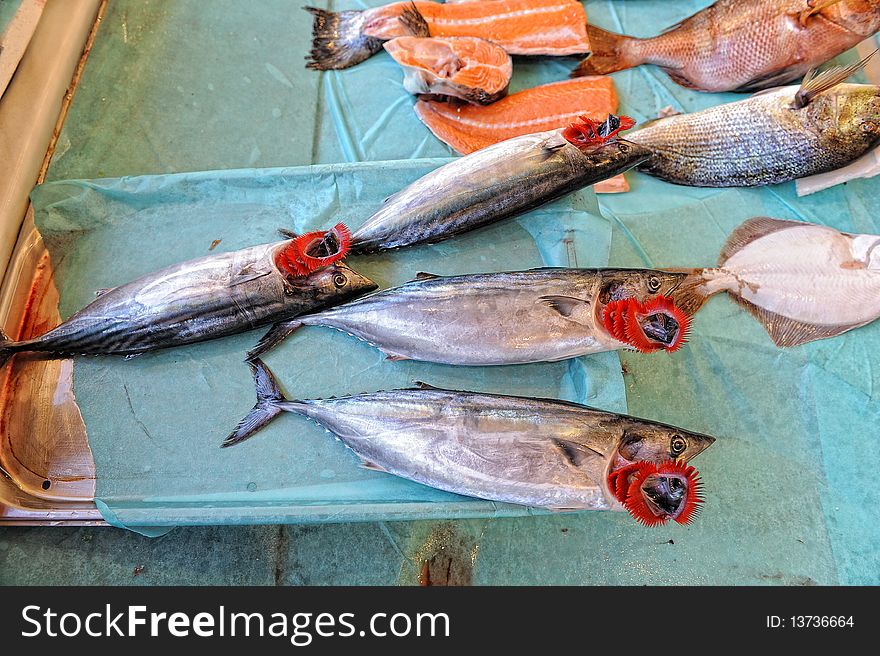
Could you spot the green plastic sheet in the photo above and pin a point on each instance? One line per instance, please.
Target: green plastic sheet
(155, 422)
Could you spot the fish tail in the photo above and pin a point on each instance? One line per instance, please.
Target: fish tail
(338, 40)
(7, 348)
(610, 52)
(270, 403)
(692, 293)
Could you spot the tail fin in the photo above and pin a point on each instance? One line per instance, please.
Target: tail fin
(338, 40)
(276, 334)
(269, 397)
(6, 349)
(609, 53)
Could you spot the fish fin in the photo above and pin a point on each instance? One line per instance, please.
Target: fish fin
(770, 82)
(608, 53)
(287, 234)
(366, 464)
(785, 331)
(337, 40)
(132, 356)
(751, 230)
(246, 274)
(586, 460)
(419, 384)
(276, 334)
(814, 7)
(564, 305)
(691, 293)
(265, 410)
(394, 357)
(6, 349)
(100, 292)
(424, 275)
(679, 78)
(554, 142)
(413, 21)
(815, 83)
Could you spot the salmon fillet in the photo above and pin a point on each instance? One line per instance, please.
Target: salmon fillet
(472, 69)
(467, 128)
(521, 27)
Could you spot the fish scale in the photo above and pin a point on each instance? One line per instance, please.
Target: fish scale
(763, 140)
(741, 46)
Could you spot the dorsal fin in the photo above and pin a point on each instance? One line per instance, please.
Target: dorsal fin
(749, 231)
(424, 275)
(424, 386)
(815, 83)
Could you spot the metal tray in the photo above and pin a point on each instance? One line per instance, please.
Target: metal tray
(48, 475)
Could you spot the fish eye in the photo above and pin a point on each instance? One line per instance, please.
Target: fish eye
(677, 445)
(870, 127)
(339, 280)
(653, 284)
(623, 147)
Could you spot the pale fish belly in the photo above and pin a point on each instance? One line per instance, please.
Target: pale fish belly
(810, 273)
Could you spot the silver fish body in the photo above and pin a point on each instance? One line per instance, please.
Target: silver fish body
(192, 301)
(764, 139)
(534, 452)
(495, 183)
(540, 315)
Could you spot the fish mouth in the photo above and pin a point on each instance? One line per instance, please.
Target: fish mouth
(660, 327)
(647, 326)
(665, 494)
(655, 493)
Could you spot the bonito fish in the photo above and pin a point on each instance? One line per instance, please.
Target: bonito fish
(499, 182)
(521, 27)
(802, 281)
(769, 138)
(201, 299)
(534, 452)
(471, 69)
(541, 315)
(739, 45)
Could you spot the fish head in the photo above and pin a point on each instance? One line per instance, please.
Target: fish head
(648, 309)
(849, 115)
(334, 284)
(644, 441)
(650, 476)
(857, 16)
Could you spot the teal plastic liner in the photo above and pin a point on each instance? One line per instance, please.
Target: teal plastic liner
(7, 11)
(155, 422)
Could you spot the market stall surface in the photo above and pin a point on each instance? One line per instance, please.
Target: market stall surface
(186, 86)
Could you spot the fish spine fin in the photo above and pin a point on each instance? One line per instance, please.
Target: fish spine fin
(267, 407)
(338, 40)
(610, 52)
(815, 83)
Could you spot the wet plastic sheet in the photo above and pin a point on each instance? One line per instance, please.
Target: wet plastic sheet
(155, 422)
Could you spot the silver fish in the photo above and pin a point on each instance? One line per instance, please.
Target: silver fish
(201, 299)
(519, 317)
(495, 183)
(534, 452)
(770, 138)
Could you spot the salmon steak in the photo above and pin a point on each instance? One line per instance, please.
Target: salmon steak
(468, 128)
(464, 67)
(734, 45)
(521, 27)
